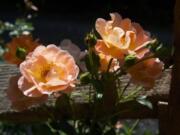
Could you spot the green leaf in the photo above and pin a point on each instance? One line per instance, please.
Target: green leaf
(21, 53)
(130, 60)
(160, 50)
(163, 52)
(144, 101)
(85, 78)
(152, 45)
(20, 27)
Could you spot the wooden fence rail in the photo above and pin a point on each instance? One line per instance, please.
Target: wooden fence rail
(158, 96)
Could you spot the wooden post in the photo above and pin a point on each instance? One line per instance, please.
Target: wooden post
(162, 116)
(174, 98)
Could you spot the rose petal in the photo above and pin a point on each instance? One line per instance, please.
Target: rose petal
(18, 100)
(29, 89)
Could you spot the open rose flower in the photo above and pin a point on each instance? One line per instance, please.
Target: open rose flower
(47, 70)
(119, 36)
(24, 42)
(145, 73)
(18, 100)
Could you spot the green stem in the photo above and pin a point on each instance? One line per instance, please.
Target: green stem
(132, 95)
(133, 127)
(125, 88)
(109, 65)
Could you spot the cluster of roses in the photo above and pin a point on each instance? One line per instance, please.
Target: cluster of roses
(50, 69)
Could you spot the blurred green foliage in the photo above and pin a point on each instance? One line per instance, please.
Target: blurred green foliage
(66, 128)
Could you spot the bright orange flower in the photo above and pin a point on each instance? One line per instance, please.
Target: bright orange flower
(47, 70)
(24, 42)
(18, 100)
(146, 72)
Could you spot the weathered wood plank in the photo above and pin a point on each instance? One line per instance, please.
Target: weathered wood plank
(174, 98)
(159, 93)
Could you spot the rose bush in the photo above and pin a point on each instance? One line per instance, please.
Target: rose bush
(123, 53)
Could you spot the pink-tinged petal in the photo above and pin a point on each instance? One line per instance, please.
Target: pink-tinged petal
(29, 89)
(145, 73)
(18, 100)
(36, 52)
(102, 48)
(47, 88)
(115, 19)
(126, 24)
(142, 36)
(134, 35)
(56, 82)
(73, 49)
(129, 43)
(49, 52)
(65, 59)
(81, 62)
(114, 37)
(146, 82)
(155, 67)
(101, 26)
(142, 51)
(34, 67)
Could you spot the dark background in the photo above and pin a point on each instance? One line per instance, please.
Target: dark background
(59, 19)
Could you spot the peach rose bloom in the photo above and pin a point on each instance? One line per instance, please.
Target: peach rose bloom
(18, 100)
(146, 72)
(47, 70)
(119, 36)
(75, 51)
(24, 41)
